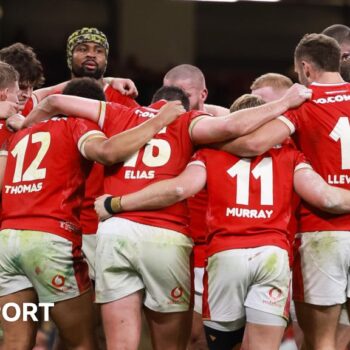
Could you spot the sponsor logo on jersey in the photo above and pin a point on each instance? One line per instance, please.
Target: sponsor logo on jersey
(144, 114)
(249, 213)
(68, 226)
(332, 99)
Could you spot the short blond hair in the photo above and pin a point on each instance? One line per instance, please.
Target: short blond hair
(246, 101)
(274, 80)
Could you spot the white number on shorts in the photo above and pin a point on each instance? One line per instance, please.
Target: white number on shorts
(33, 172)
(262, 170)
(157, 153)
(341, 132)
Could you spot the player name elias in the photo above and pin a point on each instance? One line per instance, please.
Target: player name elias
(249, 213)
(338, 179)
(139, 174)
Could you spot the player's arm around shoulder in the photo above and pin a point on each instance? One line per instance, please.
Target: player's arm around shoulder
(210, 130)
(311, 187)
(158, 195)
(64, 104)
(125, 86)
(121, 146)
(257, 142)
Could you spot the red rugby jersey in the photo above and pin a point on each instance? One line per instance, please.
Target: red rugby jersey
(197, 206)
(4, 135)
(164, 157)
(94, 182)
(45, 175)
(322, 133)
(249, 200)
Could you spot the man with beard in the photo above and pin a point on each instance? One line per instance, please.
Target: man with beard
(341, 34)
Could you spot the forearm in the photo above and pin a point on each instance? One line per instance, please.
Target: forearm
(212, 130)
(123, 145)
(43, 111)
(247, 120)
(40, 94)
(316, 191)
(67, 105)
(239, 147)
(158, 195)
(336, 200)
(155, 196)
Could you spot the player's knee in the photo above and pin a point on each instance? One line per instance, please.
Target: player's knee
(223, 340)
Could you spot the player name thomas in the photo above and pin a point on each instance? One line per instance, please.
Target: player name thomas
(19, 189)
(338, 179)
(249, 213)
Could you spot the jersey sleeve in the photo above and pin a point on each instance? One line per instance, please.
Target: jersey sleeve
(30, 104)
(301, 162)
(115, 96)
(290, 118)
(198, 158)
(83, 130)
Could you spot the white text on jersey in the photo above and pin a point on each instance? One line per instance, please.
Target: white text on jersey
(139, 174)
(338, 179)
(249, 213)
(332, 99)
(23, 188)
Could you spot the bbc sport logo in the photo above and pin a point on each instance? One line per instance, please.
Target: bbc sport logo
(12, 312)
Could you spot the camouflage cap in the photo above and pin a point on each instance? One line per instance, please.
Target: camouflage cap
(84, 35)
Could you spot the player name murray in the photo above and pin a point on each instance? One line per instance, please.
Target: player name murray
(249, 213)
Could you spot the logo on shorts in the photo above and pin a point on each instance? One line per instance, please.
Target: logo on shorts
(58, 281)
(177, 296)
(275, 294)
(177, 292)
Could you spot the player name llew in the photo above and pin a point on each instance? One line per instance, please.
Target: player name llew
(249, 213)
(338, 179)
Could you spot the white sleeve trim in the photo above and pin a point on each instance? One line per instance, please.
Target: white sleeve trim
(196, 162)
(85, 137)
(3, 153)
(34, 100)
(102, 116)
(302, 166)
(286, 121)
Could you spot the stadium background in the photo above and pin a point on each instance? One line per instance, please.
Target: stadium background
(231, 42)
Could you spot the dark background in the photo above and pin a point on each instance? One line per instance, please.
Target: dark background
(231, 42)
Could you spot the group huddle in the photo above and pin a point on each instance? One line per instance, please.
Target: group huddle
(198, 216)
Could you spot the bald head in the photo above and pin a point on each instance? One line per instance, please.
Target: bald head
(190, 79)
